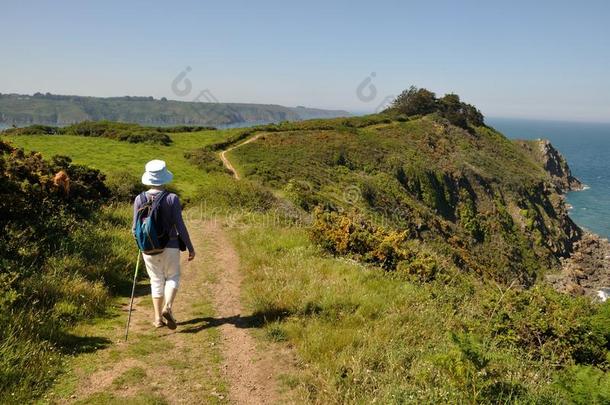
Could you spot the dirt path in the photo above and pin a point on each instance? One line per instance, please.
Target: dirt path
(225, 160)
(210, 358)
(252, 372)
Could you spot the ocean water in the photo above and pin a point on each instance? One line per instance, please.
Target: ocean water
(586, 146)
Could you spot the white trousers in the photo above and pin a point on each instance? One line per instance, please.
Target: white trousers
(163, 270)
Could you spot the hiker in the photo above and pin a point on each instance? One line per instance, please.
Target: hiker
(163, 264)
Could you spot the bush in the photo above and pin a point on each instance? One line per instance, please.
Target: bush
(301, 193)
(351, 234)
(473, 373)
(551, 326)
(584, 385)
(124, 186)
(420, 268)
(414, 101)
(206, 160)
(241, 194)
(33, 130)
(52, 240)
(125, 132)
(185, 128)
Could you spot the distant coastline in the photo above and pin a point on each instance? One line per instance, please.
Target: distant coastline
(60, 110)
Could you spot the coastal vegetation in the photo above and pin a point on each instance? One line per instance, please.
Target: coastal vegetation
(132, 133)
(414, 101)
(63, 255)
(401, 255)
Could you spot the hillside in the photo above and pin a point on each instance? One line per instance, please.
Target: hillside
(475, 198)
(51, 109)
(391, 258)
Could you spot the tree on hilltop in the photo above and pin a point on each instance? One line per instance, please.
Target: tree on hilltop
(414, 101)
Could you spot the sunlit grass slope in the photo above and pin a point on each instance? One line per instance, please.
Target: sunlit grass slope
(115, 158)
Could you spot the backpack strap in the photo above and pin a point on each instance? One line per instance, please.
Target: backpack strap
(143, 198)
(158, 198)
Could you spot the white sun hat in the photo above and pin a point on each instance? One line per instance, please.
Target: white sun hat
(156, 173)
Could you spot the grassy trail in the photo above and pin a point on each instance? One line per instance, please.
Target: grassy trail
(227, 162)
(210, 358)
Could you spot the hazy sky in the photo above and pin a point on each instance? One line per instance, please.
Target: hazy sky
(542, 59)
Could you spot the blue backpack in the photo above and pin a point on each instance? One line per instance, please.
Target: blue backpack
(149, 232)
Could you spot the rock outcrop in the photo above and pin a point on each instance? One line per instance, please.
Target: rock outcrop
(557, 166)
(588, 268)
(554, 163)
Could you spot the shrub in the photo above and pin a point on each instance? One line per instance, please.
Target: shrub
(49, 220)
(33, 130)
(422, 268)
(185, 128)
(551, 326)
(472, 372)
(584, 385)
(124, 186)
(352, 234)
(467, 215)
(301, 193)
(120, 131)
(206, 160)
(414, 101)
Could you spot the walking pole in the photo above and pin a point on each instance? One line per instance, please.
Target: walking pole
(133, 290)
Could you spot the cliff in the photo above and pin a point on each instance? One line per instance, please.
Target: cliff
(388, 188)
(51, 109)
(553, 162)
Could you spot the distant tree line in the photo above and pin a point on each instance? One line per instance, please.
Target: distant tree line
(416, 101)
(120, 131)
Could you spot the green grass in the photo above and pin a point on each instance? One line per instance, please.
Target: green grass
(147, 349)
(364, 335)
(74, 284)
(133, 376)
(115, 157)
(103, 398)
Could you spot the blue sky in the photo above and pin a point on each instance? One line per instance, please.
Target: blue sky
(544, 59)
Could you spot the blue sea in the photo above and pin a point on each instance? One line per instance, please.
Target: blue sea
(586, 146)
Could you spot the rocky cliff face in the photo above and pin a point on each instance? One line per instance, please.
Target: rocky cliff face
(554, 163)
(560, 181)
(585, 268)
(557, 166)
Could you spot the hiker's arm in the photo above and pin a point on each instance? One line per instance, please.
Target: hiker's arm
(181, 227)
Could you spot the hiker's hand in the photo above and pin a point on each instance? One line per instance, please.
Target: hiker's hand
(191, 255)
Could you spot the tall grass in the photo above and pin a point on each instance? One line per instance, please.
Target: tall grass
(368, 336)
(74, 284)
